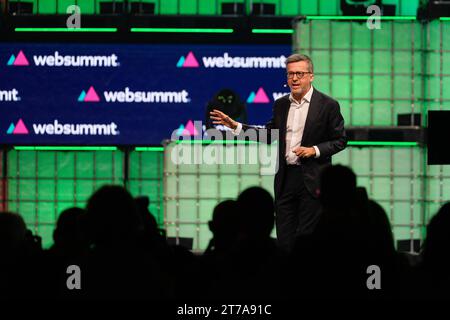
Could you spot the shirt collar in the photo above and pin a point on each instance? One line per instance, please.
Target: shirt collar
(306, 98)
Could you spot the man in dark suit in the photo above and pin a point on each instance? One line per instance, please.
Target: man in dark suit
(311, 130)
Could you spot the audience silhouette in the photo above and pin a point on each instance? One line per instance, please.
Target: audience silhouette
(122, 253)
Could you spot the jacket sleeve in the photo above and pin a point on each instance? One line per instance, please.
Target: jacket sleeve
(337, 138)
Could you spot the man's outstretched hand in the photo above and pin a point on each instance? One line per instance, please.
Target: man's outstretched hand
(219, 117)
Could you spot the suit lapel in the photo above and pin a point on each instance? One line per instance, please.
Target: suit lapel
(312, 115)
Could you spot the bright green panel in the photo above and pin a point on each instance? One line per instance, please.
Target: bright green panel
(302, 35)
(46, 213)
(267, 183)
(340, 62)
(360, 160)
(433, 88)
(433, 35)
(171, 231)
(340, 86)
(208, 186)
(381, 188)
(446, 93)
(360, 36)
(403, 214)
(107, 164)
(84, 189)
(248, 181)
(65, 161)
(46, 7)
(27, 189)
(345, 111)
(404, 34)
(403, 188)
(382, 87)
(65, 190)
(321, 59)
(205, 236)
(361, 61)
(382, 114)
(329, 7)
(381, 158)
(26, 165)
(188, 210)
(402, 87)
(382, 38)
(289, 8)
(403, 62)
(46, 189)
(365, 182)
(361, 86)
(46, 164)
(208, 7)
(171, 210)
(340, 35)
(228, 186)
(434, 66)
(146, 164)
(86, 6)
(382, 61)
(188, 7)
(361, 113)
(323, 41)
(446, 63)
(84, 164)
(170, 188)
(28, 212)
(206, 208)
(322, 83)
(169, 7)
(342, 157)
(308, 7)
(402, 161)
(445, 35)
(408, 7)
(188, 186)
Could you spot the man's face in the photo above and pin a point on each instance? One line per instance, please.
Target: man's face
(299, 85)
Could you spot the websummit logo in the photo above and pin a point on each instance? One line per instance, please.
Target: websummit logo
(190, 61)
(90, 96)
(259, 97)
(20, 60)
(19, 128)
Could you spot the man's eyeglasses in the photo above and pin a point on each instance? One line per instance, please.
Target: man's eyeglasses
(299, 74)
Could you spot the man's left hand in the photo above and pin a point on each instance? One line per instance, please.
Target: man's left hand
(304, 152)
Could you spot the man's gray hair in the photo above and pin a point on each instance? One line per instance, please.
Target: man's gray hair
(297, 57)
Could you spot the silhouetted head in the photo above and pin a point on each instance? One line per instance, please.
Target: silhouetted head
(69, 228)
(437, 243)
(337, 187)
(112, 217)
(224, 223)
(256, 212)
(12, 232)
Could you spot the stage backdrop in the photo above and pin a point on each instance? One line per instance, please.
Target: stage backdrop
(116, 94)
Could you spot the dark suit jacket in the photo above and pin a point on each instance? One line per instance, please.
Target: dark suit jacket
(324, 128)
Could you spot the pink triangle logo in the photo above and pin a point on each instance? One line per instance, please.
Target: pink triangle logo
(21, 60)
(190, 128)
(91, 95)
(261, 96)
(20, 128)
(190, 61)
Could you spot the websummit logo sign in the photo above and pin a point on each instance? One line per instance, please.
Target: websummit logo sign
(259, 97)
(20, 60)
(90, 96)
(190, 61)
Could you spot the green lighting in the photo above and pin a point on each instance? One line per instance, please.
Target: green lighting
(383, 143)
(183, 30)
(149, 149)
(216, 142)
(65, 29)
(444, 18)
(359, 17)
(63, 148)
(273, 31)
